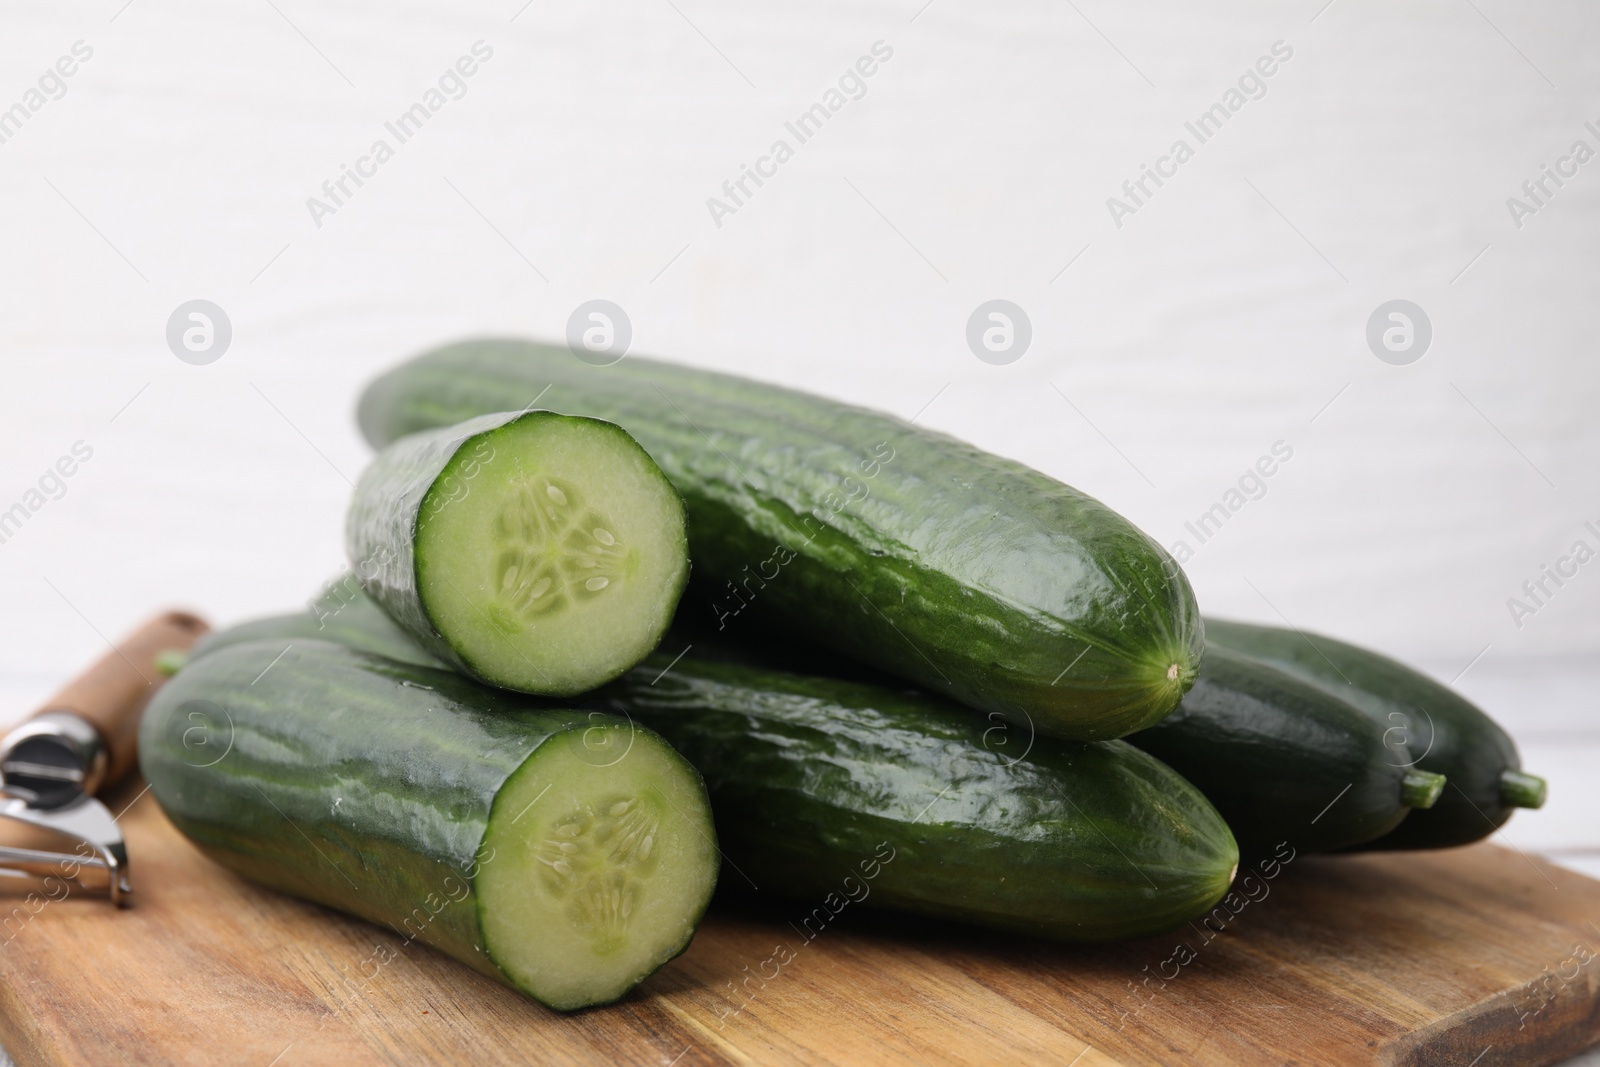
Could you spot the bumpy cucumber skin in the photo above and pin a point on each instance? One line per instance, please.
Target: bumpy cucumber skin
(810, 778)
(285, 780)
(358, 623)
(385, 517)
(1272, 752)
(386, 514)
(1467, 747)
(970, 574)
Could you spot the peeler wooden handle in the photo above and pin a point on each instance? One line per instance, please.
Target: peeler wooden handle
(112, 694)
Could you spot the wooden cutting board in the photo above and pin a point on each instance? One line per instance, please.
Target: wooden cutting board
(1477, 956)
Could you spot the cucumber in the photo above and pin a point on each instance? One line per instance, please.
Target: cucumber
(1284, 760)
(830, 791)
(342, 614)
(969, 574)
(1428, 725)
(567, 854)
(539, 552)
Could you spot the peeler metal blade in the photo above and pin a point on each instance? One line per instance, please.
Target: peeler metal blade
(85, 739)
(100, 850)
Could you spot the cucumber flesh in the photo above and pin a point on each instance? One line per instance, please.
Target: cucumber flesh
(585, 551)
(603, 850)
(539, 552)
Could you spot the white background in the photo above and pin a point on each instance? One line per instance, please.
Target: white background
(1224, 316)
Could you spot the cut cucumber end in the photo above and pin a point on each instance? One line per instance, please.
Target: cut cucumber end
(1522, 790)
(599, 860)
(551, 552)
(1420, 789)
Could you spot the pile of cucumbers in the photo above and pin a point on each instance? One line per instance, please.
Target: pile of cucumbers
(905, 672)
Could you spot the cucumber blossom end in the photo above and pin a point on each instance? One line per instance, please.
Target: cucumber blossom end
(1175, 674)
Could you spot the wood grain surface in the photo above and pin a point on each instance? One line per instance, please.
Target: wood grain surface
(1477, 956)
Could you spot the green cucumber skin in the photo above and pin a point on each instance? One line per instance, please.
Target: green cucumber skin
(387, 824)
(358, 623)
(1468, 747)
(385, 514)
(811, 778)
(1272, 752)
(970, 574)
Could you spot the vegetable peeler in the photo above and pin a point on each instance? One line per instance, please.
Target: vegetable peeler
(83, 740)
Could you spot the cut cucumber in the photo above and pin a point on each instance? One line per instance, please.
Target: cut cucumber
(1427, 725)
(606, 852)
(540, 552)
(967, 573)
(567, 854)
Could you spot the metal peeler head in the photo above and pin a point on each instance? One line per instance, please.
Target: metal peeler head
(98, 863)
(50, 766)
(52, 760)
(84, 739)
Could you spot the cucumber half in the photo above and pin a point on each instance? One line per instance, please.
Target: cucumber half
(590, 830)
(567, 854)
(535, 551)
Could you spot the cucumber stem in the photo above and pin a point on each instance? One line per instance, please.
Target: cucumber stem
(170, 660)
(1419, 789)
(1520, 790)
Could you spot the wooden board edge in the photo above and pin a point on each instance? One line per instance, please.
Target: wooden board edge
(1550, 1019)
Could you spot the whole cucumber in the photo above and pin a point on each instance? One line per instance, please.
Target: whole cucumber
(1284, 760)
(565, 853)
(815, 782)
(1429, 726)
(969, 574)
